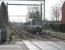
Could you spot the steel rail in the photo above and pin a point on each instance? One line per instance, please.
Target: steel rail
(45, 35)
(49, 44)
(51, 36)
(28, 39)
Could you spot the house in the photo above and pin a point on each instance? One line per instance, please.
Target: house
(63, 17)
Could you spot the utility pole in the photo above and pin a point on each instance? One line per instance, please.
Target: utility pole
(41, 11)
(44, 15)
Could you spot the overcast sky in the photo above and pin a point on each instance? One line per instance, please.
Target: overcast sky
(22, 10)
(19, 13)
(50, 4)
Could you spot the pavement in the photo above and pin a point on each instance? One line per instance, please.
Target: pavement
(14, 46)
(40, 44)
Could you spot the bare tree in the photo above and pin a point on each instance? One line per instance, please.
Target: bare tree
(56, 10)
(34, 13)
(55, 13)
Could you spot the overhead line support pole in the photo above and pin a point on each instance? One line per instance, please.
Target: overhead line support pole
(26, 4)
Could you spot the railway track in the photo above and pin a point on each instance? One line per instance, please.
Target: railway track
(43, 35)
(47, 36)
(37, 44)
(26, 36)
